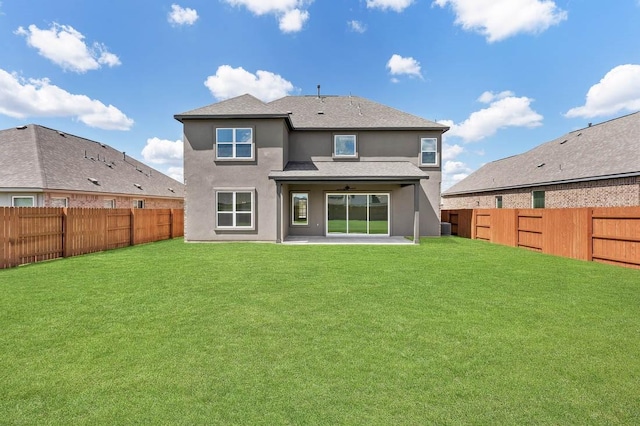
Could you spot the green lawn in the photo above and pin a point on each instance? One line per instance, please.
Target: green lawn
(451, 331)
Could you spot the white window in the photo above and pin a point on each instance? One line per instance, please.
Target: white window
(59, 202)
(23, 201)
(345, 146)
(138, 204)
(498, 201)
(234, 209)
(109, 203)
(299, 208)
(234, 143)
(428, 152)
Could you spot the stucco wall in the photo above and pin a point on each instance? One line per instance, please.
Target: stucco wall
(601, 193)
(204, 175)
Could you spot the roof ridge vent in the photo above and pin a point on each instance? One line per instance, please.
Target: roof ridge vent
(62, 134)
(21, 127)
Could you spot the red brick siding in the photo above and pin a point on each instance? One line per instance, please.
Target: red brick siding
(623, 192)
(100, 201)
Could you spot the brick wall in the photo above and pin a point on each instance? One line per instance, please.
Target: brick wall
(601, 193)
(105, 201)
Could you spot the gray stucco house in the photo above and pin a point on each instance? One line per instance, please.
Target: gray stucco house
(309, 166)
(597, 166)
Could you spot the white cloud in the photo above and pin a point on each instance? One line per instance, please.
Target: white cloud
(504, 110)
(163, 151)
(618, 90)
(357, 26)
(395, 5)
(293, 20)
(182, 15)
(398, 65)
(449, 152)
(21, 98)
(177, 173)
(453, 172)
(229, 82)
(291, 14)
(65, 46)
(501, 19)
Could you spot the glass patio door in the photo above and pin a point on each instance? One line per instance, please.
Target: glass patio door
(357, 214)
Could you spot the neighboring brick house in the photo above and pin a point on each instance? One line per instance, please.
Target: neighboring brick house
(42, 167)
(309, 166)
(598, 166)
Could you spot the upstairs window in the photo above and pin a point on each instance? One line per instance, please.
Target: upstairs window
(234, 143)
(537, 199)
(344, 146)
(498, 201)
(428, 152)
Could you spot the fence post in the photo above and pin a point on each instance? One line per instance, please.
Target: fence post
(65, 233)
(590, 235)
(172, 223)
(133, 227)
(473, 224)
(516, 236)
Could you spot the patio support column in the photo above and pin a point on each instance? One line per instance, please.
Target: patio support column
(416, 213)
(278, 212)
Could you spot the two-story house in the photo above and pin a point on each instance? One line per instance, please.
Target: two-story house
(309, 166)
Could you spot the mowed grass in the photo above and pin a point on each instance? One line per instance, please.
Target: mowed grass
(451, 331)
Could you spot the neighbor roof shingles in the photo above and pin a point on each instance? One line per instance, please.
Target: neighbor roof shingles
(41, 158)
(603, 150)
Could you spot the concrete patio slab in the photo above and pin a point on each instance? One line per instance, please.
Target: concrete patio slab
(348, 240)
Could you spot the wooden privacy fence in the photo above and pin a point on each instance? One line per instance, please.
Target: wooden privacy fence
(34, 234)
(608, 235)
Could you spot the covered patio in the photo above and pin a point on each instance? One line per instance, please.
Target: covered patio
(374, 174)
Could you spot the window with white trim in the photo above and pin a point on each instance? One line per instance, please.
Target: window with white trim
(234, 209)
(344, 146)
(428, 151)
(22, 201)
(234, 143)
(498, 201)
(537, 199)
(299, 208)
(109, 203)
(138, 204)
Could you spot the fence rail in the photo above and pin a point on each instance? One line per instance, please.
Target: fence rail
(607, 235)
(34, 234)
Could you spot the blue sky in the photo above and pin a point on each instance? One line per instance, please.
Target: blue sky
(506, 75)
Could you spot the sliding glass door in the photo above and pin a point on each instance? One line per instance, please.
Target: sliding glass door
(357, 214)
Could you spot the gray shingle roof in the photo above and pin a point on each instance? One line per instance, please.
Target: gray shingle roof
(349, 170)
(37, 157)
(605, 150)
(245, 105)
(313, 112)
